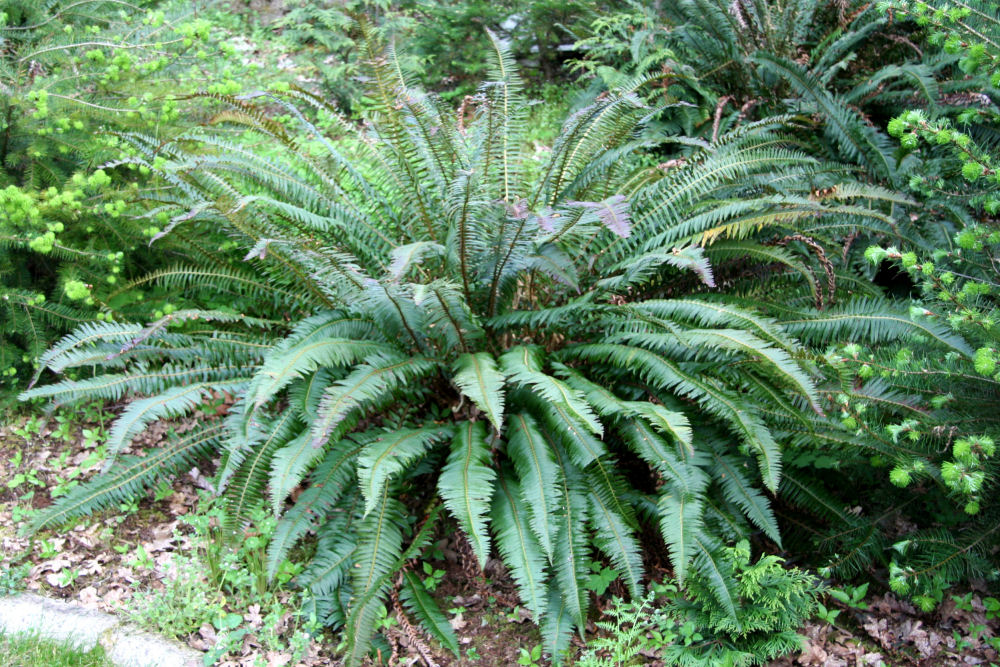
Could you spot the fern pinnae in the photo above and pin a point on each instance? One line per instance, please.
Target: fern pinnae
(557, 628)
(86, 335)
(477, 376)
(718, 574)
(366, 385)
(330, 479)
(871, 319)
(289, 465)
(390, 454)
(570, 561)
(466, 485)
(171, 403)
(738, 490)
(538, 476)
(778, 360)
(129, 476)
(281, 369)
(518, 545)
(330, 568)
(244, 474)
(582, 445)
(651, 448)
(380, 543)
(510, 84)
(416, 599)
(614, 537)
(680, 520)
(378, 568)
(522, 366)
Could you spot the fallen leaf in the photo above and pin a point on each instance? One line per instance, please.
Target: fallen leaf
(457, 622)
(88, 597)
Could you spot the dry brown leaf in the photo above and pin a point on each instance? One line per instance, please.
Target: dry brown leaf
(457, 622)
(89, 598)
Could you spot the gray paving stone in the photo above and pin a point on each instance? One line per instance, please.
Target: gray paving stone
(83, 629)
(53, 619)
(127, 646)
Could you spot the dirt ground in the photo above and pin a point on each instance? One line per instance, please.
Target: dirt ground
(95, 564)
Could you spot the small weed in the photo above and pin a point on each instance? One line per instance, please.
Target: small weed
(67, 576)
(433, 578)
(47, 549)
(852, 596)
(22, 478)
(827, 615)
(142, 559)
(65, 426)
(601, 578)
(12, 581)
(32, 426)
(530, 658)
(92, 437)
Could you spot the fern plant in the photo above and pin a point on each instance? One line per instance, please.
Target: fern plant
(690, 630)
(462, 335)
(842, 69)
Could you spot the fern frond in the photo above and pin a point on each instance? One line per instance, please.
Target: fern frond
(380, 544)
(289, 465)
(518, 545)
(329, 481)
(415, 597)
(466, 485)
(869, 320)
(738, 490)
(392, 453)
(478, 378)
(171, 403)
(365, 386)
(538, 476)
(130, 476)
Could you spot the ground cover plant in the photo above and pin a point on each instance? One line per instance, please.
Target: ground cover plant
(742, 292)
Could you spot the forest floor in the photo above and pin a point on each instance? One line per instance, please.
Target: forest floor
(105, 561)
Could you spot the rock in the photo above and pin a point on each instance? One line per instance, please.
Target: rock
(83, 629)
(130, 647)
(52, 619)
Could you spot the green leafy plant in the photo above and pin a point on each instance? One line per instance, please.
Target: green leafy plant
(530, 658)
(12, 579)
(222, 587)
(922, 414)
(691, 629)
(476, 337)
(851, 596)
